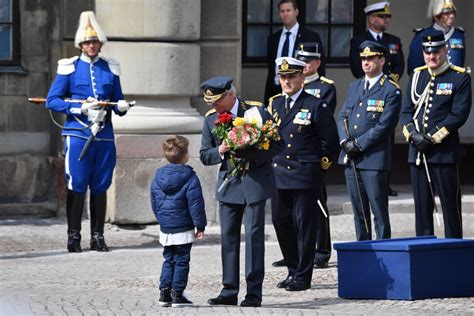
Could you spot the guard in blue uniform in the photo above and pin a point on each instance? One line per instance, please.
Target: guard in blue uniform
(91, 78)
(309, 131)
(443, 13)
(324, 89)
(378, 20)
(240, 197)
(437, 104)
(367, 119)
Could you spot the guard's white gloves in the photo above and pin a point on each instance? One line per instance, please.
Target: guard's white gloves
(96, 116)
(123, 106)
(91, 104)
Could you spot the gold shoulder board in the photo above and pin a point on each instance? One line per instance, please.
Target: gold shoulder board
(326, 80)
(210, 112)
(420, 68)
(394, 83)
(254, 103)
(458, 69)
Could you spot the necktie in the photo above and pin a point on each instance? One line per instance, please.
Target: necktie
(378, 38)
(366, 88)
(287, 105)
(286, 46)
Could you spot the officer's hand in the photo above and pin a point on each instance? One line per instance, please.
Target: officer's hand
(96, 116)
(223, 147)
(351, 148)
(421, 141)
(123, 106)
(247, 153)
(91, 104)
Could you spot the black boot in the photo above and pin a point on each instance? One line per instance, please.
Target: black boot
(98, 243)
(178, 299)
(74, 206)
(98, 206)
(165, 297)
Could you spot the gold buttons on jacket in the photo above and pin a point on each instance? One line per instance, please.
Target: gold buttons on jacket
(355, 126)
(288, 157)
(289, 145)
(275, 164)
(291, 135)
(289, 168)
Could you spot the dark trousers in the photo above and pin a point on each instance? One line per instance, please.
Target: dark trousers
(294, 219)
(175, 269)
(374, 193)
(446, 185)
(323, 233)
(254, 222)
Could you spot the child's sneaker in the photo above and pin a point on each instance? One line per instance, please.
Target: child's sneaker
(178, 299)
(165, 297)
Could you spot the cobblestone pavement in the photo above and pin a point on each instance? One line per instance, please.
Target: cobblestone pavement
(38, 277)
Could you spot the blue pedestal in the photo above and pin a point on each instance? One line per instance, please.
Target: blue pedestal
(406, 268)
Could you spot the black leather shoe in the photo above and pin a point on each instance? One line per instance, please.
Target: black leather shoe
(297, 285)
(392, 192)
(222, 300)
(251, 302)
(283, 284)
(280, 263)
(98, 243)
(74, 242)
(319, 264)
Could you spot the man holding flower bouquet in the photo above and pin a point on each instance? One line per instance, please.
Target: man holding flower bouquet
(243, 139)
(309, 131)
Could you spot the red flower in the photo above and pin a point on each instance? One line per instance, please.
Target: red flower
(225, 117)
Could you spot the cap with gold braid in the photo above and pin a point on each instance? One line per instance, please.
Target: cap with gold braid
(379, 8)
(88, 29)
(289, 65)
(369, 48)
(215, 88)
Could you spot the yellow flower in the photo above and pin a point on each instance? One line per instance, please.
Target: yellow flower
(266, 145)
(238, 121)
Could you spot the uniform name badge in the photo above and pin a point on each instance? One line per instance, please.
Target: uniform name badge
(456, 43)
(444, 88)
(394, 48)
(303, 117)
(375, 105)
(315, 92)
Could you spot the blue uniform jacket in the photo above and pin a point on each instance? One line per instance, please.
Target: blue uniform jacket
(257, 184)
(309, 132)
(455, 43)
(176, 199)
(447, 111)
(394, 63)
(324, 89)
(79, 78)
(372, 119)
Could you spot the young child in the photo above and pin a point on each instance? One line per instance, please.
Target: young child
(178, 204)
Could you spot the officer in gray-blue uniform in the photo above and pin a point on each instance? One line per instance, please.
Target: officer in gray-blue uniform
(90, 78)
(378, 20)
(309, 131)
(324, 89)
(367, 119)
(240, 196)
(437, 104)
(443, 13)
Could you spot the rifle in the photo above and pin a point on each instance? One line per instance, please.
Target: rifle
(101, 103)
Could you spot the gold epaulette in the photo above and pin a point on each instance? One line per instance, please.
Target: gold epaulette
(326, 80)
(382, 80)
(394, 83)
(254, 103)
(458, 69)
(275, 96)
(270, 100)
(210, 112)
(420, 68)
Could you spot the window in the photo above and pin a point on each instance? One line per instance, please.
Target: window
(9, 33)
(335, 20)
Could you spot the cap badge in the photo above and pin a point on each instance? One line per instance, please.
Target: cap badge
(208, 92)
(367, 50)
(284, 65)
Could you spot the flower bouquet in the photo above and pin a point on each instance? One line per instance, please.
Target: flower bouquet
(244, 133)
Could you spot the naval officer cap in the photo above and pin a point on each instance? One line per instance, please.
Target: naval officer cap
(433, 41)
(308, 51)
(370, 48)
(379, 8)
(289, 65)
(216, 87)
